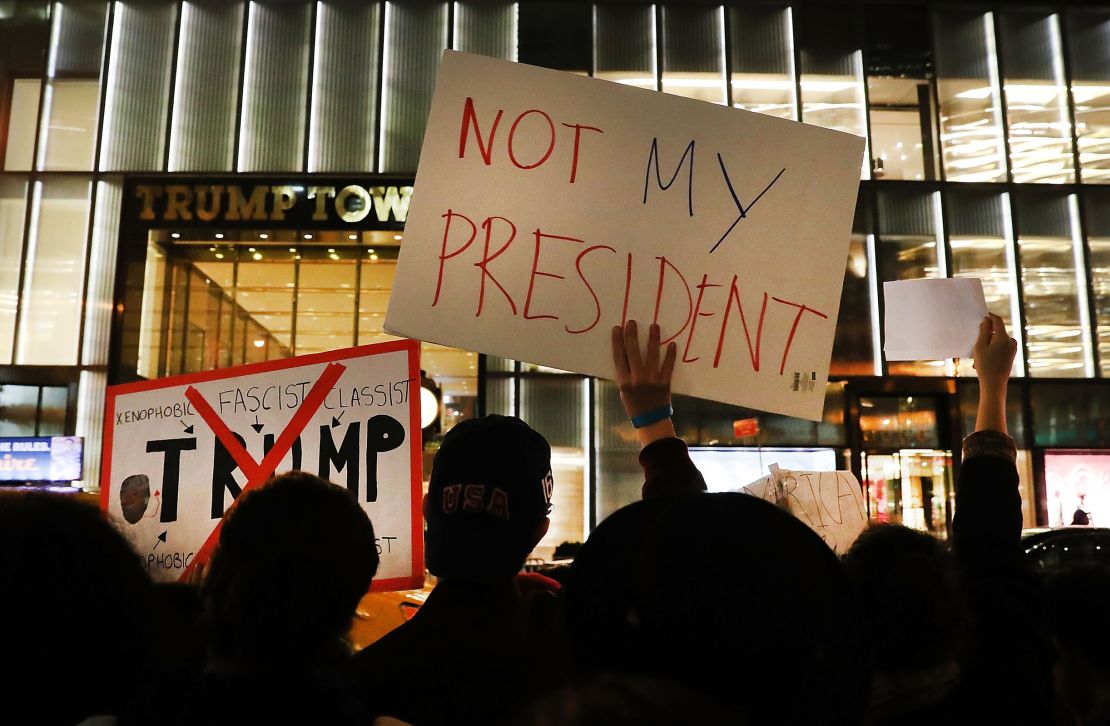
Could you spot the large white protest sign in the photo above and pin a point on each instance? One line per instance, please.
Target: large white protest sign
(549, 207)
(177, 451)
(830, 502)
(931, 319)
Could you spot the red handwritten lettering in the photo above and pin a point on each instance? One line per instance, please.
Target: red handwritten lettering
(471, 117)
(577, 137)
(537, 273)
(443, 256)
(802, 310)
(664, 263)
(734, 293)
(512, 135)
(702, 287)
(582, 275)
(487, 258)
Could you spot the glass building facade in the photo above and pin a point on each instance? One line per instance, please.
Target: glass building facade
(131, 130)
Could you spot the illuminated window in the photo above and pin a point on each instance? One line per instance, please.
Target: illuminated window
(831, 71)
(762, 47)
(981, 242)
(910, 246)
(1038, 119)
(1057, 325)
(968, 86)
(900, 93)
(693, 52)
(1096, 208)
(1088, 39)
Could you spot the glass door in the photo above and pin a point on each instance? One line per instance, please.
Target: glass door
(911, 487)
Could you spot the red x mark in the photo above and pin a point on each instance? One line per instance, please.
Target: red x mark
(257, 472)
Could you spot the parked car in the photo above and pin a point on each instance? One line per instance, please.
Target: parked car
(1049, 549)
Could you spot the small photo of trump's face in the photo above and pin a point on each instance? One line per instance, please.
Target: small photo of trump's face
(134, 497)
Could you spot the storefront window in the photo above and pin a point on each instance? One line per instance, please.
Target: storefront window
(981, 243)
(762, 50)
(67, 131)
(1039, 121)
(624, 43)
(910, 246)
(693, 52)
(1057, 325)
(968, 86)
(1088, 43)
(206, 85)
(1077, 487)
(900, 93)
(1096, 208)
(912, 487)
(831, 70)
(53, 281)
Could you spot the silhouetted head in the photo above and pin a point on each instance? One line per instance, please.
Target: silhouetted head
(913, 606)
(75, 607)
(488, 499)
(728, 595)
(294, 558)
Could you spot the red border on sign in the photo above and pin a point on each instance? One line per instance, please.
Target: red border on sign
(412, 347)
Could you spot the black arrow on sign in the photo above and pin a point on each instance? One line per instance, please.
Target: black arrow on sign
(257, 426)
(161, 538)
(188, 427)
(335, 421)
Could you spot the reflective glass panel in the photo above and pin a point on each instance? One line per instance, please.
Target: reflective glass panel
(968, 86)
(1089, 47)
(13, 212)
(53, 281)
(762, 47)
(1096, 208)
(831, 70)
(1057, 328)
(910, 247)
(624, 42)
(1038, 119)
(67, 135)
(900, 93)
(693, 52)
(982, 247)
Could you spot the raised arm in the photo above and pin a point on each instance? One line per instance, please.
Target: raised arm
(645, 387)
(987, 525)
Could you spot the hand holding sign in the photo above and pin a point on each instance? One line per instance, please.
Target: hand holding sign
(552, 207)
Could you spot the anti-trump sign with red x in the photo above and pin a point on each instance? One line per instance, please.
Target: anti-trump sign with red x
(178, 451)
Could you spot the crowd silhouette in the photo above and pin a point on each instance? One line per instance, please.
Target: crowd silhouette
(903, 629)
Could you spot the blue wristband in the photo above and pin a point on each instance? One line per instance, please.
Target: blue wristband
(655, 415)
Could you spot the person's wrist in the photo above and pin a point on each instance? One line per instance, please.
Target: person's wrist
(652, 415)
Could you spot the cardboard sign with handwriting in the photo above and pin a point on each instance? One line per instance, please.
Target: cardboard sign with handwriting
(549, 207)
(830, 502)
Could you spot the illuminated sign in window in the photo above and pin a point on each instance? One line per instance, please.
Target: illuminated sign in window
(41, 458)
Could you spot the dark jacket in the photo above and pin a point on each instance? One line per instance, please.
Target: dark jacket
(1008, 679)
